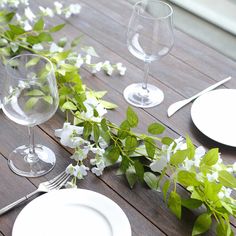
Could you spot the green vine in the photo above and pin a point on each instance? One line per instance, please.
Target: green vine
(140, 157)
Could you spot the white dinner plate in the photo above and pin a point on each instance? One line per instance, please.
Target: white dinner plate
(214, 114)
(72, 212)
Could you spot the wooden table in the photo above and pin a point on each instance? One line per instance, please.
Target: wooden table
(189, 68)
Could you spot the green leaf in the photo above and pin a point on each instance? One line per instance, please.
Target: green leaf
(178, 157)
(14, 47)
(6, 17)
(156, 128)
(211, 157)
(3, 42)
(167, 141)
(35, 92)
(16, 29)
(132, 117)
(139, 170)
(31, 103)
(124, 130)
(227, 179)
(151, 180)
(165, 189)
(96, 132)
(100, 94)
(187, 178)
(190, 147)
(106, 136)
(45, 37)
(69, 106)
(131, 176)
(48, 99)
(113, 153)
(104, 125)
(131, 143)
(76, 41)
(174, 203)
(191, 203)
(32, 62)
(124, 165)
(87, 129)
(39, 25)
(62, 42)
(202, 224)
(56, 28)
(150, 146)
(33, 39)
(108, 105)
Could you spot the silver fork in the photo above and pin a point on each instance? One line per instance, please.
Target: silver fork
(55, 183)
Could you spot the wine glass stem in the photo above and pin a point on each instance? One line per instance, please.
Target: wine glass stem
(145, 78)
(32, 156)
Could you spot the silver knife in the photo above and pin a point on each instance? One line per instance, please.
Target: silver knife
(177, 105)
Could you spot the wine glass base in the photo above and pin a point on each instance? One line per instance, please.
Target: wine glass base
(20, 164)
(138, 97)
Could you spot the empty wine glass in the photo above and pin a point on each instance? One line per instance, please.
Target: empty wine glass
(30, 97)
(149, 37)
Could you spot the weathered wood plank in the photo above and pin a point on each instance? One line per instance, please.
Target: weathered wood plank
(91, 182)
(12, 187)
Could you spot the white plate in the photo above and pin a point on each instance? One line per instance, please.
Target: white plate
(214, 114)
(72, 212)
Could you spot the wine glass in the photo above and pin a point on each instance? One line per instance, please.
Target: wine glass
(30, 97)
(149, 38)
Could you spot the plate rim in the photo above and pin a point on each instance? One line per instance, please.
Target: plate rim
(193, 117)
(126, 228)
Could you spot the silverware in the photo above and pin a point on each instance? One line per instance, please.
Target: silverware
(55, 183)
(177, 105)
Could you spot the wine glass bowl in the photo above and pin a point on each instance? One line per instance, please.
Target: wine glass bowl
(149, 38)
(30, 97)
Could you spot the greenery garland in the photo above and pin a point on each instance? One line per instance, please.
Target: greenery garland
(141, 157)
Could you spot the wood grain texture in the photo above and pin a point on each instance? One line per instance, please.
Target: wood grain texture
(190, 67)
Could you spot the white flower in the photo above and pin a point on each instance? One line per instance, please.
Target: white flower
(38, 47)
(25, 2)
(46, 11)
(98, 151)
(107, 67)
(80, 171)
(80, 154)
(212, 177)
(75, 9)
(18, 17)
(225, 192)
(121, 68)
(199, 153)
(58, 7)
(55, 48)
(23, 84)
(29, 14)
(79, 61)
(187, 164)
(180, 145)
(88, 59)
(159, 165)
(230, 170)
(26, 25)
(97, 171)
(102, 143)
(96, 67)
(101, 110)
(70, 169)
(68, 135)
